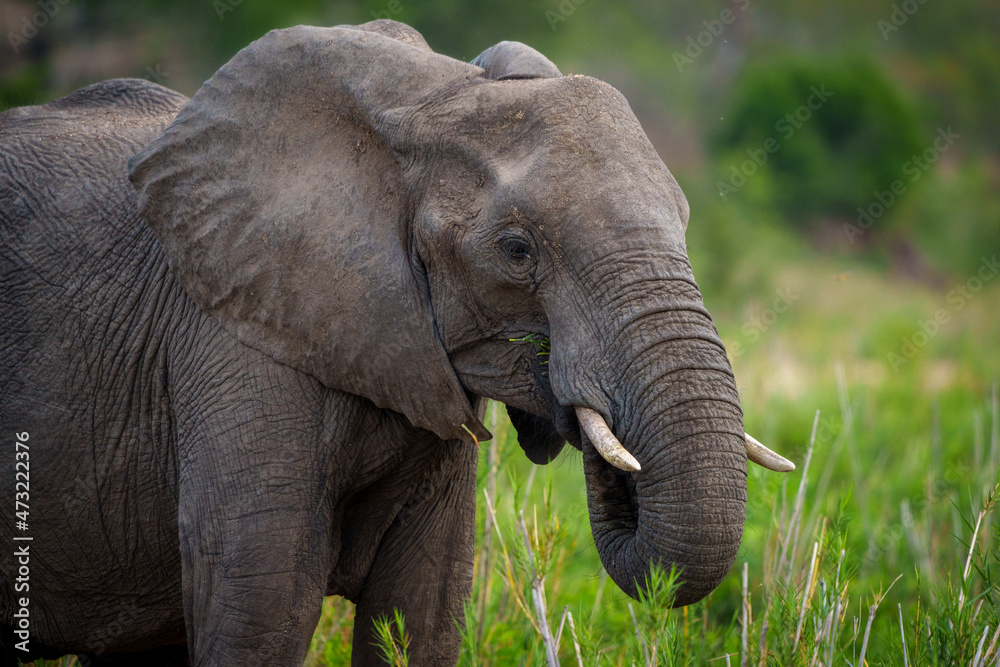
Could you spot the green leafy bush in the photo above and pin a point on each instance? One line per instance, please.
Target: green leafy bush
(815, 139)
(954, 219)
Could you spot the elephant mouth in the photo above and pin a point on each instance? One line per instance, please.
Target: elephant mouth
(511, 366)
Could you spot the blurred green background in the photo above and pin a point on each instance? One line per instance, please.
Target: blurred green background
(723, 89)
(842, 161)
(711, 82)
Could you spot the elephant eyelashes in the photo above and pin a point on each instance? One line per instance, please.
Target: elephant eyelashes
(517, 254)
(515, 250)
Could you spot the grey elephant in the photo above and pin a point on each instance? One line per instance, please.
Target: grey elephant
(248, 339)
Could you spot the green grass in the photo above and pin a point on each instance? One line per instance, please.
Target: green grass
(821, 578)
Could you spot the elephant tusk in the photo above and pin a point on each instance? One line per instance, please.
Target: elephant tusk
(763, 456)
(604, 440)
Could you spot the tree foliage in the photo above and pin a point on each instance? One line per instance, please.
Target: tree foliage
(834, 134)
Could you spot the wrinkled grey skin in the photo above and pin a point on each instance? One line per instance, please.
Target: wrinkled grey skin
(245, 331)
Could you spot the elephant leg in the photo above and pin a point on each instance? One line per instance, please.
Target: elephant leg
(424, 564)
(253, 519)
(254, 563)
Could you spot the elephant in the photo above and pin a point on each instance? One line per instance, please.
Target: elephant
(250, 337)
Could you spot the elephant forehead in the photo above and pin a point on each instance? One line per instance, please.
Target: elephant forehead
(566, 148)
(577, 112)
(558, 130)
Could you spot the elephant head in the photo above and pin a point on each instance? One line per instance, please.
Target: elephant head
(412, 229)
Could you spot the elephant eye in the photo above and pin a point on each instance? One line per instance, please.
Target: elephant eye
(515, 249)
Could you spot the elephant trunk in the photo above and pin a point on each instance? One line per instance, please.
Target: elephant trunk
(674, 406)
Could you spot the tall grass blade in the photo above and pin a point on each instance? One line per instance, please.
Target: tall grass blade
(902, 635)
(805, 597)
(746, 618)
(638, 635)
(538, 597)
(576, 642)
(791, 536)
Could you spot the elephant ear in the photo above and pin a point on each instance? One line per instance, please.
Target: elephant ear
(279, 204)
(396, 30)
(514, 60)
(536, 435)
